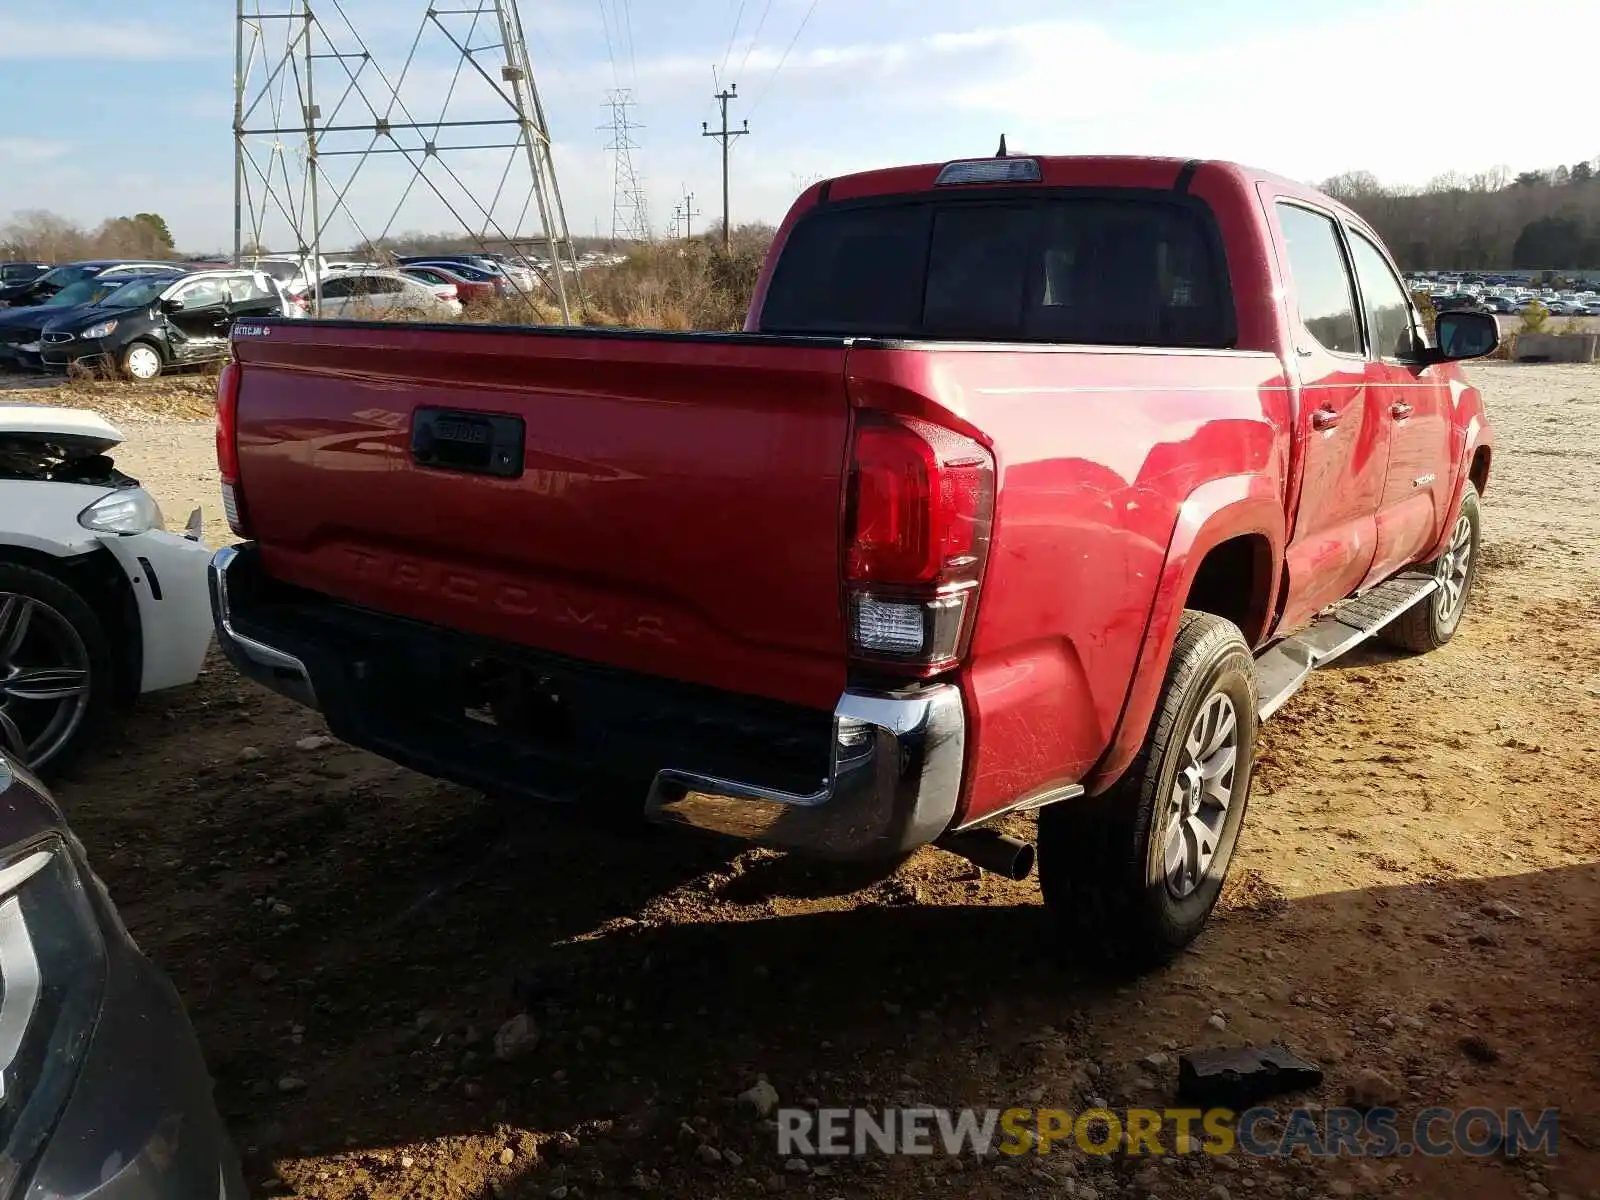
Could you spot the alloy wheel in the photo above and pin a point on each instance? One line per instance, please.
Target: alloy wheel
(1453, 571)
(44, 680)
(1197, 806)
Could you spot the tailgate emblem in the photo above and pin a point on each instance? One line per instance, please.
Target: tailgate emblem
(474, 433)
(252, 331)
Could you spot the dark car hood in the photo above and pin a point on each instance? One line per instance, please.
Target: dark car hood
(81, 316)
(42, 315)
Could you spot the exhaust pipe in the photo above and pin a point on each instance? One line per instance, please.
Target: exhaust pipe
(992, 850)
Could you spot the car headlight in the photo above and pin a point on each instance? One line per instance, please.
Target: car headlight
(128, 511)
(98, 331)
(52, 974)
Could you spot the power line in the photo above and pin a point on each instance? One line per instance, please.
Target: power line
(756, 36)
(738, 17)
(627, 22)
(762, 95)
(606, 26)
(725, 136)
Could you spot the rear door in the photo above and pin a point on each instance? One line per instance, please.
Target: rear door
(1343, 426)
(1415, 400)
(337, 296)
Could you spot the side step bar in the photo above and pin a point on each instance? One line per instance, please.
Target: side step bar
(1283, 666)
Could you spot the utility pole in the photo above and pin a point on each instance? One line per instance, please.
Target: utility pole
(690, 212)
(725, 136)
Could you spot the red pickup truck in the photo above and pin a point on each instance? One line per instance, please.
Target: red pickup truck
(1032, 483)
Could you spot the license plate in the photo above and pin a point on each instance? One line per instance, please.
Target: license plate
(29, 348)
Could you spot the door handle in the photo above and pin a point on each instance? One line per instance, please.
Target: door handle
(1324, 418)
(1399, 410)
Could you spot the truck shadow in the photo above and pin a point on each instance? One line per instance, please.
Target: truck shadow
(365, 933)
(657, 1005)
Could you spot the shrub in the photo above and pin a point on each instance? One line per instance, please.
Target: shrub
(1535, 318)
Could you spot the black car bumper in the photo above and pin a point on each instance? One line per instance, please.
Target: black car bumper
(65, 356)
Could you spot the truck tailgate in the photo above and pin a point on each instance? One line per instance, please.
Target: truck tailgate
(676, 513)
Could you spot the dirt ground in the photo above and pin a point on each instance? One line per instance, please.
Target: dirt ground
(1418, 895)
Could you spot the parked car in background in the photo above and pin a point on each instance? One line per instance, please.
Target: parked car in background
(442, 289)
(381, 293)
(156, 324)
(294, 272)
(22, 326)
(107, 1093)
(38, 291)
(512, 279)
(99, 604)
(472, 286)
(22, 329)
(17, 274)
(522, 276)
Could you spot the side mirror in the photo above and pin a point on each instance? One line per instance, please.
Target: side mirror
(1466, 335)
(175, 304)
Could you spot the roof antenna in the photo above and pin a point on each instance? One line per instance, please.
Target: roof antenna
(1001, 153)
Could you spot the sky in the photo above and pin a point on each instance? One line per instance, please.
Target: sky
(107, 107)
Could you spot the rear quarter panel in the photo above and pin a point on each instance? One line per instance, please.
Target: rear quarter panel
(1116, 471)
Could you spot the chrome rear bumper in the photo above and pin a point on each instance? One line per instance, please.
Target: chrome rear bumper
(893, 780)
(893, 785)
(266, 665)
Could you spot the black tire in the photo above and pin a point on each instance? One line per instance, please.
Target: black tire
(1433, 622)
(60, 599)
(1102, 860)
(125, 361)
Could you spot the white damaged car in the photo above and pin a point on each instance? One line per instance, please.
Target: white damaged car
(99, 604)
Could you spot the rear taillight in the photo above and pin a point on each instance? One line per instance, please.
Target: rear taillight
(228, 446)
(918, 518)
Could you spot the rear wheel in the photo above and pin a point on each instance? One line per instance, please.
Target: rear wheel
(1433, 622)
(56, 674)
(141, 361)
(1132, 876)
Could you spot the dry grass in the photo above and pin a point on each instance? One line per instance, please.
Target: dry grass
(187, 397)
(683, 285)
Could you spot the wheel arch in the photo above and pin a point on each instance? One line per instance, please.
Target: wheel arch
(1226, 526)
(99, 579)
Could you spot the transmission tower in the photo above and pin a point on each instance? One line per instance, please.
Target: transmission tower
(336, 142)
(630, 211)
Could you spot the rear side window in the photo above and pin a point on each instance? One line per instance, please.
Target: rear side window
(858, 272)
(244, 288)
(1098, 271)
(1322, 284)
